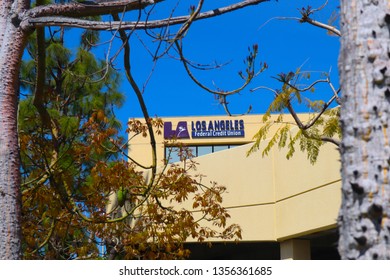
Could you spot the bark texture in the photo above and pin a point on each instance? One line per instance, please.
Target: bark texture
(12, 42)
(364, 67)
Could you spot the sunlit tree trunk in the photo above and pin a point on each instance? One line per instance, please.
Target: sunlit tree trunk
(11, 48)
(364, 67)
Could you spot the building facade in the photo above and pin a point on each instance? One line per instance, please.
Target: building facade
(287, 209)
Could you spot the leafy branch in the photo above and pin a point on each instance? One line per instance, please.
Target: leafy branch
(320, 127)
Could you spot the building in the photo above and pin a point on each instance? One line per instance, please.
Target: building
(287, 208)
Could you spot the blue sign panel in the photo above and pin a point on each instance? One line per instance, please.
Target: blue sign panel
(214, 134)
(205, 129)
(218, 129)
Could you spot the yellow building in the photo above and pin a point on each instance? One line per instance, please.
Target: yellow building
(287, 209)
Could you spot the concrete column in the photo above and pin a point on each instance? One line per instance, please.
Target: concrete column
(295, 249)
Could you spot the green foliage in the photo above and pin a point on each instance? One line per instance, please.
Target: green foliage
(56, 160)
(331, 125)
(319, 125)
(121, 196)
(57, 55)
(69, 125)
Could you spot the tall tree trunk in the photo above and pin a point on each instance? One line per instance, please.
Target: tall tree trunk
(12, 42)
(364, 67)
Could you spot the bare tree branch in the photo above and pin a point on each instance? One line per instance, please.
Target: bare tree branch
(305, 17)
(135, 87)
(78, 10)
(184, 28)
(222, 95)
(330, 28)
(225, 104)
(327, 27)
(60, 16)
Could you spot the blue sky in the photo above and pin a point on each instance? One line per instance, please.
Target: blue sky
(283, 44)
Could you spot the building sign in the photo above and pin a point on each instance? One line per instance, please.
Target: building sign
(218, 128)
(206, 129)
(181, 131)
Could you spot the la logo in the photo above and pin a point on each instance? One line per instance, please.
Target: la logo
(180, 132)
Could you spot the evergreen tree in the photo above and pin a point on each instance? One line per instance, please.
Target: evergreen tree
(56, 160)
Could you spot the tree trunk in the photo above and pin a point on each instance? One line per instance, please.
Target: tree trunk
(364, 68)
(12, 42)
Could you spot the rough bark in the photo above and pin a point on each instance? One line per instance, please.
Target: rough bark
(12, 43)
(365, 117)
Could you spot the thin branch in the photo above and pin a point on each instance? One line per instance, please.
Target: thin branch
(184, 28)
(47, 239)
(309, 87)
(225, 104)
(201, 66)
(36, 18)
(327, 27)
(321, 138)
(248, 79)
(331, 140)
(335, 93)
(251, 74)
(305, 17)
(120, 150)
(324, 108)
(130, 78)
(321, 7)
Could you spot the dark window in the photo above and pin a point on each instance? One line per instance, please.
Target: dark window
(172, 153)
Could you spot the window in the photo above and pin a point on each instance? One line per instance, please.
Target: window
(220, 148)
(204, 150)
(172, 153)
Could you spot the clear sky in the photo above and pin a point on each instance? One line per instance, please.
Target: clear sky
(284, 45)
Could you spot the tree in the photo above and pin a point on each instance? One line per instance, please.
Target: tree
(19, 19)
(80, 198)
(76, 89)
(365, 78)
